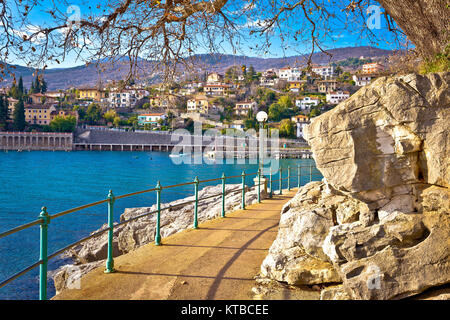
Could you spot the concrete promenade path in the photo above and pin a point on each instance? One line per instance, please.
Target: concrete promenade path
(219, 260)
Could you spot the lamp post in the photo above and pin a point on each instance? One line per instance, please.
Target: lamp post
(261, 117)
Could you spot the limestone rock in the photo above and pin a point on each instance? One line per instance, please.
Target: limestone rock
(391, 133)
(334, 293)
(296, 256)
(69, 276)
(384, 203)
(395, 272)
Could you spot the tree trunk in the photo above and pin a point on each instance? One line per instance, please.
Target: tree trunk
(426, 23)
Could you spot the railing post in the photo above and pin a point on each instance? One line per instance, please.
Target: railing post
(281, 181)
(158, 216)
(43, 254)
(223, 195)
(299, 175)
(196, 203)
(310, 172)
(259, 185)
(110, 260)
(270, 183)
(289, 178)
(243, 190)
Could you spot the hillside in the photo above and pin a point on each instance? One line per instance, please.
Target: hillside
(63, 78)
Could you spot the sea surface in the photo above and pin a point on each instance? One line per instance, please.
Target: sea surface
(63, 180)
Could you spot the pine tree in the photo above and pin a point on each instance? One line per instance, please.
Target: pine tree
(19, 116)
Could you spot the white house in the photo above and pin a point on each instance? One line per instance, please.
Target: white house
(301, 121)
(242, 108)
(326, 72)
(126, 98)
(307, 102)
(290, 74)
(199, 104)
(337, 97)
(237, 124)
(214, 77)
(267, 82)
(362, 80)
(151, 118)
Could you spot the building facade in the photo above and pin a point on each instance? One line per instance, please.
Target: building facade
(242, 108)
(307, 102)
(337, 97)
(326, 86)
(326, 72)
(372, 67)
(39, 113)
(301, 121)
(151, 118)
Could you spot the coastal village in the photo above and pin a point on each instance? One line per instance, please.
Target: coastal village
(290, 95)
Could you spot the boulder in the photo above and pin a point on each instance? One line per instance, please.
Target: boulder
(391, 133)
(381, 214)
(296, 256)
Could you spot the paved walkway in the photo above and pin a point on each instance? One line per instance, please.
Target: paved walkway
(217, 261)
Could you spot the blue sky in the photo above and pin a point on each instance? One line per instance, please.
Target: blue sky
(342, 36)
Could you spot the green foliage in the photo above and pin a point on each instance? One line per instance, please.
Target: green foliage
(285, 102)
(282, 109)
(110, 115)
(315, 111)
(14, 92)
(20, 87)
(440, 63)
(250, 122)
(3, 111)
(63, 124)
(133, 121)
(93, 114)
(38, 85)
(117, 122)
(287, 129)
(275, 112)
(19, 116)
(81, 112)
(346, 77)
(351, 62)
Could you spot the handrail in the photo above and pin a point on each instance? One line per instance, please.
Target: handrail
(44, 218)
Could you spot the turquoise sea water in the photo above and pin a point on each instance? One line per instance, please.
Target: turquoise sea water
(62, 180)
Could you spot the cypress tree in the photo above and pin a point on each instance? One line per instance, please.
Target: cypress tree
(43, 86)
(3, 111)
(37, 85)
(19, 116)
(20, 87)
(32, 88)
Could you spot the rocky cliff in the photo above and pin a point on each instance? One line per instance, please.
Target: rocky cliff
(378, 225)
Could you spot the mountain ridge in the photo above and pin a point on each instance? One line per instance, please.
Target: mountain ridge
(64, 78)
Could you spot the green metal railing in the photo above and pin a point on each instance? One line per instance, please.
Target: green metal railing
(44, 219)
